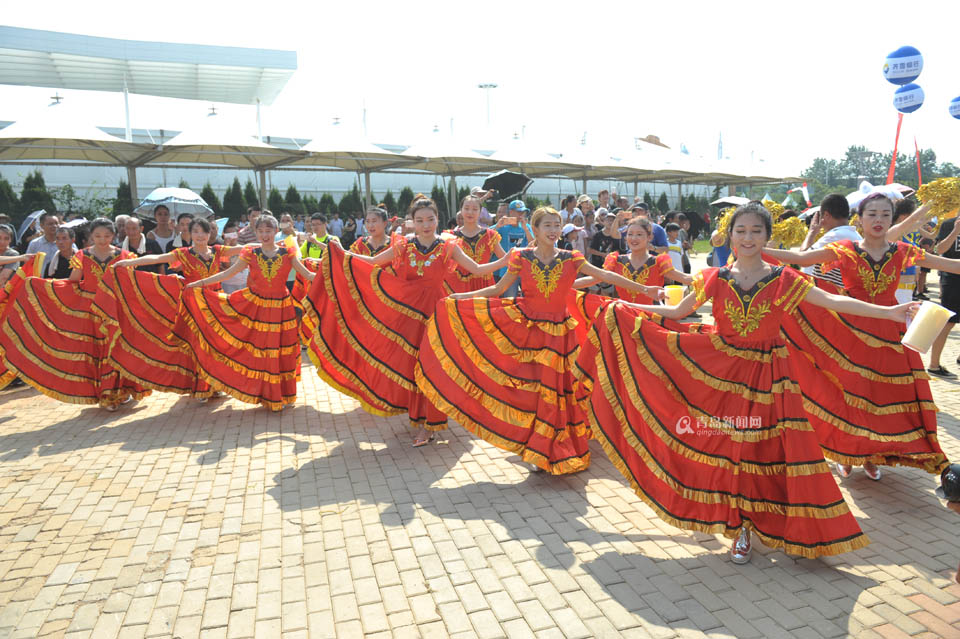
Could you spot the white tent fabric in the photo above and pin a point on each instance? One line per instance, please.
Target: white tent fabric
(340, 148)
(216, 141)
(54, 134)
(445, 156)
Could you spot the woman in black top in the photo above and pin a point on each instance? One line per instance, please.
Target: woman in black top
(58, 267)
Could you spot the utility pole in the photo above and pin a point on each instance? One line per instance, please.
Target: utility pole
(486, 87)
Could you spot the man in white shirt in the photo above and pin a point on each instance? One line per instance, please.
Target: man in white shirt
(834, 216)
(335, 225)
(46, 243)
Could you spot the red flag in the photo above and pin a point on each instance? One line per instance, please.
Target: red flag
(893, 161)
(919, 174)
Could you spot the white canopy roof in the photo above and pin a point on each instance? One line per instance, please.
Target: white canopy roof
(31, 57)
(53, 134)
(216, 141)
(339, 147)
(444, 155)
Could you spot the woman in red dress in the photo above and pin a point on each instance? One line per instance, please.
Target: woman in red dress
(478, 243)
(31, 265)
(246, 343)
(639, 265)
(503, 368)
(143, 309)
(54, 340)
(710, 429)
(866, 394)
(376, 239)
(370, 322)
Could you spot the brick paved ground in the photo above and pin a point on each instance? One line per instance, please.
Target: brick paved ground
(174, 519)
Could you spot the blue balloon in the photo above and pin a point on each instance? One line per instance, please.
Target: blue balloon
(955, 107)
(903, 66)
(908, 98)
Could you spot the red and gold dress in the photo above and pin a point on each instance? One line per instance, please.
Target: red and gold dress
(141, 310)
(370, 323)
(480, 248)
(651, 273)
(8, 292)
(246, 343)
(503, 368)
(586, 307)
(56, 342)
(709, 428)
(867, 395)
(363, 246)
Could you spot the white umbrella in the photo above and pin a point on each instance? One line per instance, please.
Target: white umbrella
(30, 219)
(177, 200)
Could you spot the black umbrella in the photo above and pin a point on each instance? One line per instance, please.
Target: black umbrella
(509, 185)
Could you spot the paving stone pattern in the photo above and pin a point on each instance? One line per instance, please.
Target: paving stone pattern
(176, 519)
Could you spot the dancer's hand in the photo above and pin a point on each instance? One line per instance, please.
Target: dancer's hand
(194, 284)
(657, 293)
(902, 312)
(122, 263)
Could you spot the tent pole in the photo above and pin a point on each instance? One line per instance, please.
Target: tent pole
(453, 197)
(679, 195)
(132, 182)
(128, 134)
(263, 188)
(636, 184)
(366, 188)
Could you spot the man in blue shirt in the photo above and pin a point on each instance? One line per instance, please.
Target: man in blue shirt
(514, 235)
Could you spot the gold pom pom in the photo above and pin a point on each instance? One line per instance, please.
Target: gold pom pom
(944, 194)
(723, 222)
(776, 210)
(790, 232)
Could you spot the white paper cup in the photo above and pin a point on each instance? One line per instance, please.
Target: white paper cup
(925, 326)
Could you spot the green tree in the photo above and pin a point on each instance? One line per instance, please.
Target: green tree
(35, 196)
(328, 206)
(390, 202)
(648, 199)
(275, 201)
(310, 204)
(9, 202)
(251, 197)
(208, 196)
(351, 202)
(406, 199)
(123, 204)
(438, 195)
(292, 201)
(233, 204)
(663, 205)
(183, 184)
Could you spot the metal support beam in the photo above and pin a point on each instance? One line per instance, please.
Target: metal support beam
(128, 134)
(132, 182)
(262, 173)
(452, 197)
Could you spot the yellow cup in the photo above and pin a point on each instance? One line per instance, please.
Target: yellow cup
(925, 326)
(674, 294)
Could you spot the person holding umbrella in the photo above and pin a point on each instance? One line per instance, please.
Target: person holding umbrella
(164, 233)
